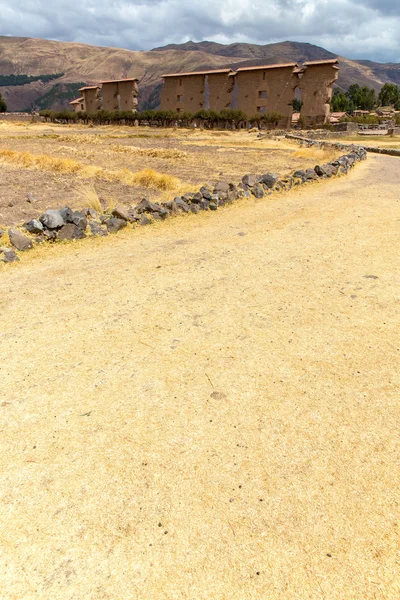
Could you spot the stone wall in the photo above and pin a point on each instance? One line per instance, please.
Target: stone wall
(91, 99)
(220, 88)
(266, 90)
(110, 96)
(260, 89)
(316, 82)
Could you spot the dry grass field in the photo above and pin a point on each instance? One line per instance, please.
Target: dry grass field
(54, 162)
(207, 408)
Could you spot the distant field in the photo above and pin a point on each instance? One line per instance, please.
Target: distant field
(54, 162)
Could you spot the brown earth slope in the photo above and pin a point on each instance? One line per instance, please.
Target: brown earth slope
(208, 409)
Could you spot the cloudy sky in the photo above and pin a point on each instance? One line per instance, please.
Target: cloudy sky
(354, 28)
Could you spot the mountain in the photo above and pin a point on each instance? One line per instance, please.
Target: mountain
(71, 64)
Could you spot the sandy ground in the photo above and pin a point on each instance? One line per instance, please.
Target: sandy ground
(208, 409)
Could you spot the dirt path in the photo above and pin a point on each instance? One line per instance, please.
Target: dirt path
(208, 409)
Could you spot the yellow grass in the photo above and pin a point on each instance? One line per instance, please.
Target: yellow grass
(319, 154)
(167, 153)
(147, 177)
(88, 196)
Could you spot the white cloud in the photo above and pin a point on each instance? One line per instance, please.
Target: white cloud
(353, 28)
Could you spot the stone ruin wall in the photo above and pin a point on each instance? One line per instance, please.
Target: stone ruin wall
(255, 91)
(112, 96)
(109, 92)
(316, 88)
(91, 100)
(128, 93)
(220, 88)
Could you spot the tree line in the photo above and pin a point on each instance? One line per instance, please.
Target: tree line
(166, 118)
(11, 80)
(364, 98)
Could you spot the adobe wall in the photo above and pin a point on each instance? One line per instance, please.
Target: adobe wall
(128, 92)
(169, 93)
(110, 96)
(279, 85)
(193, 93)
(316, 87)
(247, 91)
(190, 88)
(220, 88)
(91, 100)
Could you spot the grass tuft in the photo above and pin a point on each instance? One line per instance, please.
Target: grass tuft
(88, 196)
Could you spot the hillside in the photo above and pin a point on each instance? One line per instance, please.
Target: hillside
(90, 64)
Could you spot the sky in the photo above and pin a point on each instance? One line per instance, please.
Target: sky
(358, 29)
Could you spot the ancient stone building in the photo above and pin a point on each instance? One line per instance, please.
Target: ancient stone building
(119, 94)
(257, 89)
(78, 105)
(266, 89)
(192, 92)
(91, 98)
(316, 79)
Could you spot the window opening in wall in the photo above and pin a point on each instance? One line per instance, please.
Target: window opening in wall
(264, 75)
(262, 94)
(261, 109)
(179, 98)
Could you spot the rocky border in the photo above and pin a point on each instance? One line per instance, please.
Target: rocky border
(65, 224)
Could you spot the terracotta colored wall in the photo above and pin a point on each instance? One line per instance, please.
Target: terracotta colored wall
(110, 96)
(220, 88)
(169, 93)
(191, 90)
(128, 91)
(316, 87)
(91, 100)
(279, 85)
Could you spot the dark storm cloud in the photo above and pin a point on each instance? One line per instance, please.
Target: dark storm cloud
(354, 28)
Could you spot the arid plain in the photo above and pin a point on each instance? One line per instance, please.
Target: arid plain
(205, 408)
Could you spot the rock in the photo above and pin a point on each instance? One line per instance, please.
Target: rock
(198, 197)
(34, 226)
(250, 180)
(133, 215)
(90, 212)
(146, 206)
(97, 229)
(8, 255)
(121, 212)
(114, 224)
(66, 213)
(2, 232)
(204, 205)
(299, 174)
(221, 187)
(269, 179)
(310, 174)
(171, 207)
(320, 170)
(70, 231)
(19, 240)
(257, 190)
(188, 197)
(194, 208)
(50, 234)
(205, 192)
(145, 221)
(213, 206)
(78, 219)
(31, 198)
(52, 219)
(181, 204)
